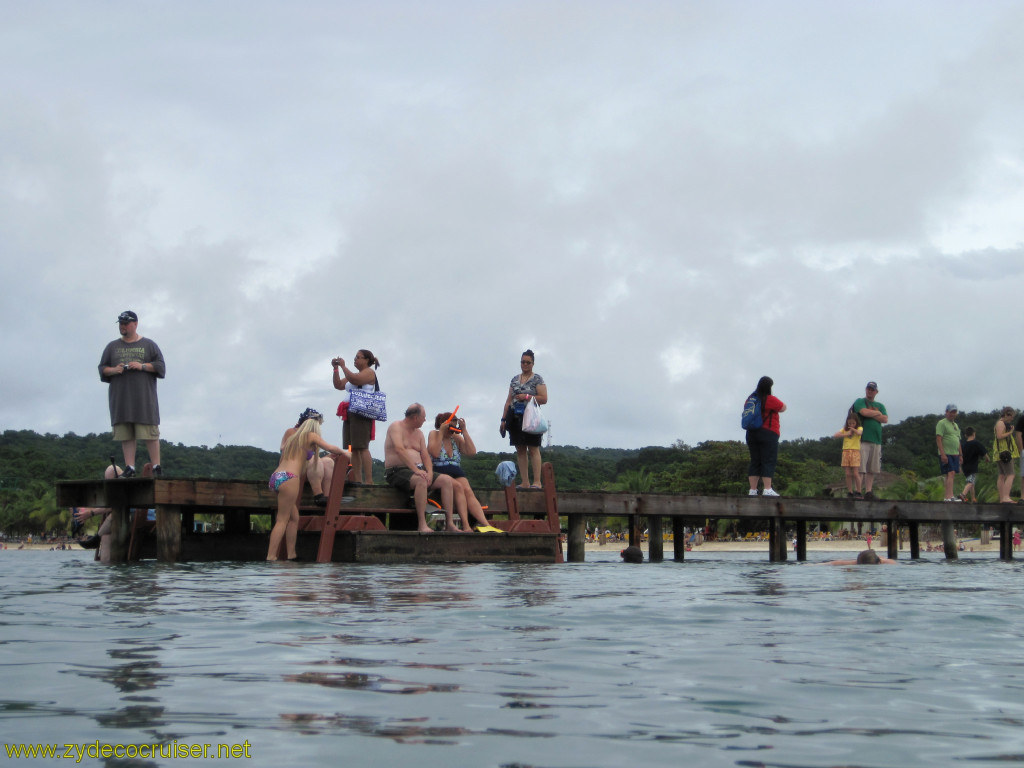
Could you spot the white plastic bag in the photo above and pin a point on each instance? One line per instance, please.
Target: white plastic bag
(534, 422)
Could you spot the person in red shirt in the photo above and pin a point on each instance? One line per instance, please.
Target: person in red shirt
(763, 443)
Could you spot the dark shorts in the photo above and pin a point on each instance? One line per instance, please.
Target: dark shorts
(763, 445)
(355, 432)
(516, 436)
(398, 477)
(951, 464)
(452, 470)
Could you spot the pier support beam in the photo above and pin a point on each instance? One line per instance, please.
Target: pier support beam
(777, 540)
(168, 534)
(655, 540)
(678, 539)
(577, 544)
(634, 531)
(801, 540)
(949, 540)
(915, 541)
(893, 542)
(1006, 541)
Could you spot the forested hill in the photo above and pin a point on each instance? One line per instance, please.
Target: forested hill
(31, 463)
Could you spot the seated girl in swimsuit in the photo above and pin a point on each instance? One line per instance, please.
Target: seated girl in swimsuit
(447, 444)
(288, 479)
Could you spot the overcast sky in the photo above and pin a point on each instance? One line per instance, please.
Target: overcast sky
(665, 200)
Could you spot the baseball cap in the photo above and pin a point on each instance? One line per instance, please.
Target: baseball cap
(871, 385)
(952, 407)
(127, 317)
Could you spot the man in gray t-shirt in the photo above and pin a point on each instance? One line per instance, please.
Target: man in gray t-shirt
(131, 365)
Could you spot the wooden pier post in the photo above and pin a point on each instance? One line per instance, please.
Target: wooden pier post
(120, 519)
(168, 534)
(893, 541)
(777, 540)
(577, 544)
(915, 541)
(678, 539)
(655, 539)
(1006, 540)
(634, 537)
(801, 540)
(949, 540)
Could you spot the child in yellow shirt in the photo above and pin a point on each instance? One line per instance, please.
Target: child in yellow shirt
(851, 454)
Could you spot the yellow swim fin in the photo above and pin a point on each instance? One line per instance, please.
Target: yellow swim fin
(488, 529)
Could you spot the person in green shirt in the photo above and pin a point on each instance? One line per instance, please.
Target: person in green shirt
(947, 439)
(873, 415)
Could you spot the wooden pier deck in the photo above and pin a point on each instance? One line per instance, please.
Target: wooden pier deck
(779, 514)
(373, 524)
(362, 524)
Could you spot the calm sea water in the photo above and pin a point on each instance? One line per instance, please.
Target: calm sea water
(725, 660)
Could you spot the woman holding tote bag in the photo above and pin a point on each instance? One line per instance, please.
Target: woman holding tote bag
(356, 433)
(523, 386)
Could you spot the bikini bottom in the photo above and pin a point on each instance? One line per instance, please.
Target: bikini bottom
(277, 479)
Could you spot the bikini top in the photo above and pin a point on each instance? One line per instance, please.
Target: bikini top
(444, 460)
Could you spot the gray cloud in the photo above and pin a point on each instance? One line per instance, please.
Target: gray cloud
(664, 200)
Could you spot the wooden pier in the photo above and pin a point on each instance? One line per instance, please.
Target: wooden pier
(377, 524)
(779, 514)
(366, 524)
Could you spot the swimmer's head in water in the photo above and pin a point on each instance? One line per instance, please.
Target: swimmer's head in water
(868, 557)
(632, 555)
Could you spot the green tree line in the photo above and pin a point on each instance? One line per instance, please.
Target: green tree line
(31, 464)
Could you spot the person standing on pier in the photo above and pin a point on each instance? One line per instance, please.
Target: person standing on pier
(524, 386)
(763, 441)
(971, 454)
(947, 439)
(131, 365)
(873, 415)
(358, 430)
(851, 433)
(288, 479)
(1005, 450)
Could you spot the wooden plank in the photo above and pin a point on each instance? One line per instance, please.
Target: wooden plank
(744, 507)
(254, 495)
(414, 547)
(512, 503)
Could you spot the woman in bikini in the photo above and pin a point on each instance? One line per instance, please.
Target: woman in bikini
(289, 477)
(447, 444)
(319, 470)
